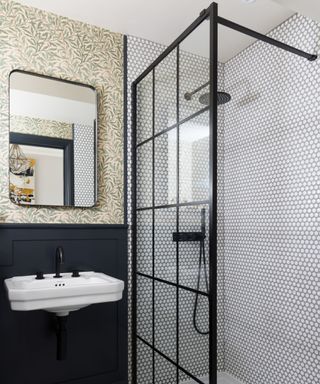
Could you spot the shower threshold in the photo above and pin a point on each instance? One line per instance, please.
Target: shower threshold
(223, 378)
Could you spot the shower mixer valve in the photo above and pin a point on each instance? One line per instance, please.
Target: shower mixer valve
(192, 236)
(202, 264)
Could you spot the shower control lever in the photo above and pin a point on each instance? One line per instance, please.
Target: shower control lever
(203, 222)
(187, 236)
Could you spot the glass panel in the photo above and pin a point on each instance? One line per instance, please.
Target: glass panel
(165, 372)
(165, 319)
(144, 308)
(144, 363)
(144, 241)
(144, 108)
(166, 168)
(194, 159)
(166, 92)
(193, 346)
(193, 155)
(165, 248)
(194, 72)
(144, 175)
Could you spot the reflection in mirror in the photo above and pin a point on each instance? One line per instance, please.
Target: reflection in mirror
(52, 157)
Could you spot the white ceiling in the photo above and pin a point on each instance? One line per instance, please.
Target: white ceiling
(309, 8)
(163, 20)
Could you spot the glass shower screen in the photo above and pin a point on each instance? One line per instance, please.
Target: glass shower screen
(174, 212)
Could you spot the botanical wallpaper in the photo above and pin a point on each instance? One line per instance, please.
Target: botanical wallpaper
(40, 127)
(41, 42)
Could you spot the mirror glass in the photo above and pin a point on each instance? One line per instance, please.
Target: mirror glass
(52, 156)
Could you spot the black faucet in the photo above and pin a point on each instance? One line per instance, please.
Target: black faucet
(59, 261)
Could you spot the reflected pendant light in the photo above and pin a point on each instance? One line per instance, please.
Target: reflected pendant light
(18, 161)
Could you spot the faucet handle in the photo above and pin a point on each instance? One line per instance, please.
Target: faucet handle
(39, 276)
(75, 273)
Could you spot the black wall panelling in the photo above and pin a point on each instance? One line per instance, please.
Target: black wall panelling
(97, 335)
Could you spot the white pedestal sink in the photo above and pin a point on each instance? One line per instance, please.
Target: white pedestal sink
(62, 295)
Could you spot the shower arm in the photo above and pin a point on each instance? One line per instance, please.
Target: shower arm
(188, 95)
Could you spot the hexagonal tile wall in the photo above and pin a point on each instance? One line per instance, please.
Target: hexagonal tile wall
(271, 220)
(84, 177)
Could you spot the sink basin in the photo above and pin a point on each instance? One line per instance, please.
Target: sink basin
(62, 295)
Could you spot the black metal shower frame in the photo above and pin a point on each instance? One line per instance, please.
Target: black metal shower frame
(211, 13)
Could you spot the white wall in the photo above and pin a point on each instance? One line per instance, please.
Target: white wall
(51, 108)
(49, 188)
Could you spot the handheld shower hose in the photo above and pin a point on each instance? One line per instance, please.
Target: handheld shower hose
(202, 261)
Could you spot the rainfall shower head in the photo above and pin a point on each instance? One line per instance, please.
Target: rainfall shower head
(223, 98)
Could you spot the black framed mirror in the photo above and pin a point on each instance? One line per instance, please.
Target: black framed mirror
(53, 141)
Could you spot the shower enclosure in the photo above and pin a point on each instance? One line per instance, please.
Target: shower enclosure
(177, 207)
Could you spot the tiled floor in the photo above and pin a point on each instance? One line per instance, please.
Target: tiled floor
(223, 378)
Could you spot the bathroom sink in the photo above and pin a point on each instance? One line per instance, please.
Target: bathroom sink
(62, 295)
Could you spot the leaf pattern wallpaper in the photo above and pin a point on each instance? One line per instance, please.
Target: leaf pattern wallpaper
(41, 42)
(40, 127)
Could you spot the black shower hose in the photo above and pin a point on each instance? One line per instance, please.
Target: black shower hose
(202, 255)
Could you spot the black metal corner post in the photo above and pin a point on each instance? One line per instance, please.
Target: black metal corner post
(153, 223)
(177, 208)
(213, 177)
(133, 234)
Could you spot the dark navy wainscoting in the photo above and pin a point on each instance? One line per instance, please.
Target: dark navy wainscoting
(97, 335)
